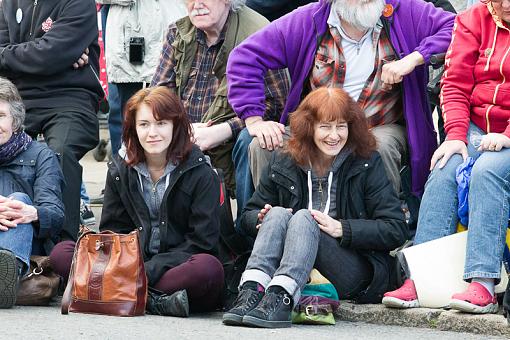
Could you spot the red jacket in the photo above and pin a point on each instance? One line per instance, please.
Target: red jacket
(476, 81)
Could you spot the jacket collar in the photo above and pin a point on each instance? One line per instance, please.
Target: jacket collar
(286, 167)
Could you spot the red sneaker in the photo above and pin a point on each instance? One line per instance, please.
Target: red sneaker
(476, 299)
(404, 297)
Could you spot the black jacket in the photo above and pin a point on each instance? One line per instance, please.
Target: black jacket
(37, 54)
(367, 205)
(189, 214)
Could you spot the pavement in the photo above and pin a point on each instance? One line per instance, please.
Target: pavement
(47, 323)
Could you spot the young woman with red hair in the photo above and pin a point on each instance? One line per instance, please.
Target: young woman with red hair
(164, 186)
(324, 202)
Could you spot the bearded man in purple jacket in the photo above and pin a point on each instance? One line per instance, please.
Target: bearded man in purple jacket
(376, 50)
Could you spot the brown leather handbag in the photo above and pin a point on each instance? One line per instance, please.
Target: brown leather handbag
(107, 275)
(40, 285)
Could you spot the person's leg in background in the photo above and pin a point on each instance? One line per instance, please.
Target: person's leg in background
(244, 182)
(122, 93)
(392, 145)
(86, 215)
(71, 133)
(114, 118)
(15, 250)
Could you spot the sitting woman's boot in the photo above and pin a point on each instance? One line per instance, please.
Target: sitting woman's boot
(159, 303)
(404, 297)
(273, 311)
(248, 298)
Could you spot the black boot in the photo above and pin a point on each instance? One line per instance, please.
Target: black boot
(10, 271)
(247, 299)
(273, 311)
(159, 303)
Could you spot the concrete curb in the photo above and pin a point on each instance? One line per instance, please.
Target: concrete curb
(439, 319)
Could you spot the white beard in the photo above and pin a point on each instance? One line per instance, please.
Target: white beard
(362, 14)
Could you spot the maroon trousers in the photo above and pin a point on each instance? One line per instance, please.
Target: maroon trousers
(201, 276)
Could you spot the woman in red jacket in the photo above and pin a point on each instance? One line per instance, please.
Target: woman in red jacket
(475, 100)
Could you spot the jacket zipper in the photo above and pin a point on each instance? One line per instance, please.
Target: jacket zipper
(497, 88)
(33, 16)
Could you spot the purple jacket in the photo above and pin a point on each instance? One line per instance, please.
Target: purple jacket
(291, 42)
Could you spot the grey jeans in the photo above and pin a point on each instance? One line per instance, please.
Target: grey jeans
(289, 245)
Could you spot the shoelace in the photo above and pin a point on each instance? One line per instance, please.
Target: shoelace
(271, 301)
(246, 299)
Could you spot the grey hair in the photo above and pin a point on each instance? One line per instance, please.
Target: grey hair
(10, 95)
(235, 5)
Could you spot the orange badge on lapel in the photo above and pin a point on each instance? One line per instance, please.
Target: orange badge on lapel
(388, 11)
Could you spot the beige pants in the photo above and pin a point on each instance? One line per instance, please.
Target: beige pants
(391, 144)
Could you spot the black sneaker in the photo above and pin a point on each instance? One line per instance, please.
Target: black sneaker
(246, 300)
(86, 215)
(273, 311)
(169, 305)
(9, 276)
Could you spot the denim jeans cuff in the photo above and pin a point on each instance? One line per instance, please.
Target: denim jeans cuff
(482, 275)
(255, 275)
(289, 284)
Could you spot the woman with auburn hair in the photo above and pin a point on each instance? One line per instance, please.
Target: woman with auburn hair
(324, 202)
(163, 185)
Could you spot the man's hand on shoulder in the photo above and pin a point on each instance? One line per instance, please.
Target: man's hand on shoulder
(268, 133)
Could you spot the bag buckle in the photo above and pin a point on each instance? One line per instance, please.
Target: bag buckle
(309, 310)
(36, 271)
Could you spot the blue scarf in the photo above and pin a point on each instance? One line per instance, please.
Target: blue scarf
(18, 143)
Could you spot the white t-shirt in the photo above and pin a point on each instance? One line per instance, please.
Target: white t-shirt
(359, 57)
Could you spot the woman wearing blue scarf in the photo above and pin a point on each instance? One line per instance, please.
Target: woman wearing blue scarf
(31, 208)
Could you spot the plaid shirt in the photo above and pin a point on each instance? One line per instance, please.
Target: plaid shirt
(200, 90)
(380, 107)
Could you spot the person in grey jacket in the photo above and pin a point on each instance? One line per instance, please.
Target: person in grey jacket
(31, 207)
(136, 32)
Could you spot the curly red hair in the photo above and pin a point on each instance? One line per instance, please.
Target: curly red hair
(327, 105)
(165, 105)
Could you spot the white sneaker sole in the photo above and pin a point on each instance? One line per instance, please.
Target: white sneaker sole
(392, 302)
(467, 307)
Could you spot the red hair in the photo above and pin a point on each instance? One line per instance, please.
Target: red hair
(327, 105)
(165, 105)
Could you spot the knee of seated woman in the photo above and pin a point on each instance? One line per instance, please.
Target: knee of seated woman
(279, 212)
(21, 196)
(490, 165)
(303, 217)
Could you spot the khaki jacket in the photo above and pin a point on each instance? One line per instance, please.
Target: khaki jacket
(241, 24)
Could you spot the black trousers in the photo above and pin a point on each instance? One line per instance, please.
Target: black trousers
(71, 133)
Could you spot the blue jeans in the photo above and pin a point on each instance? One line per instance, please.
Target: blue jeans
(19, 240)
(83, 194)
(489, 195)
(244, 181)
(119, 94)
